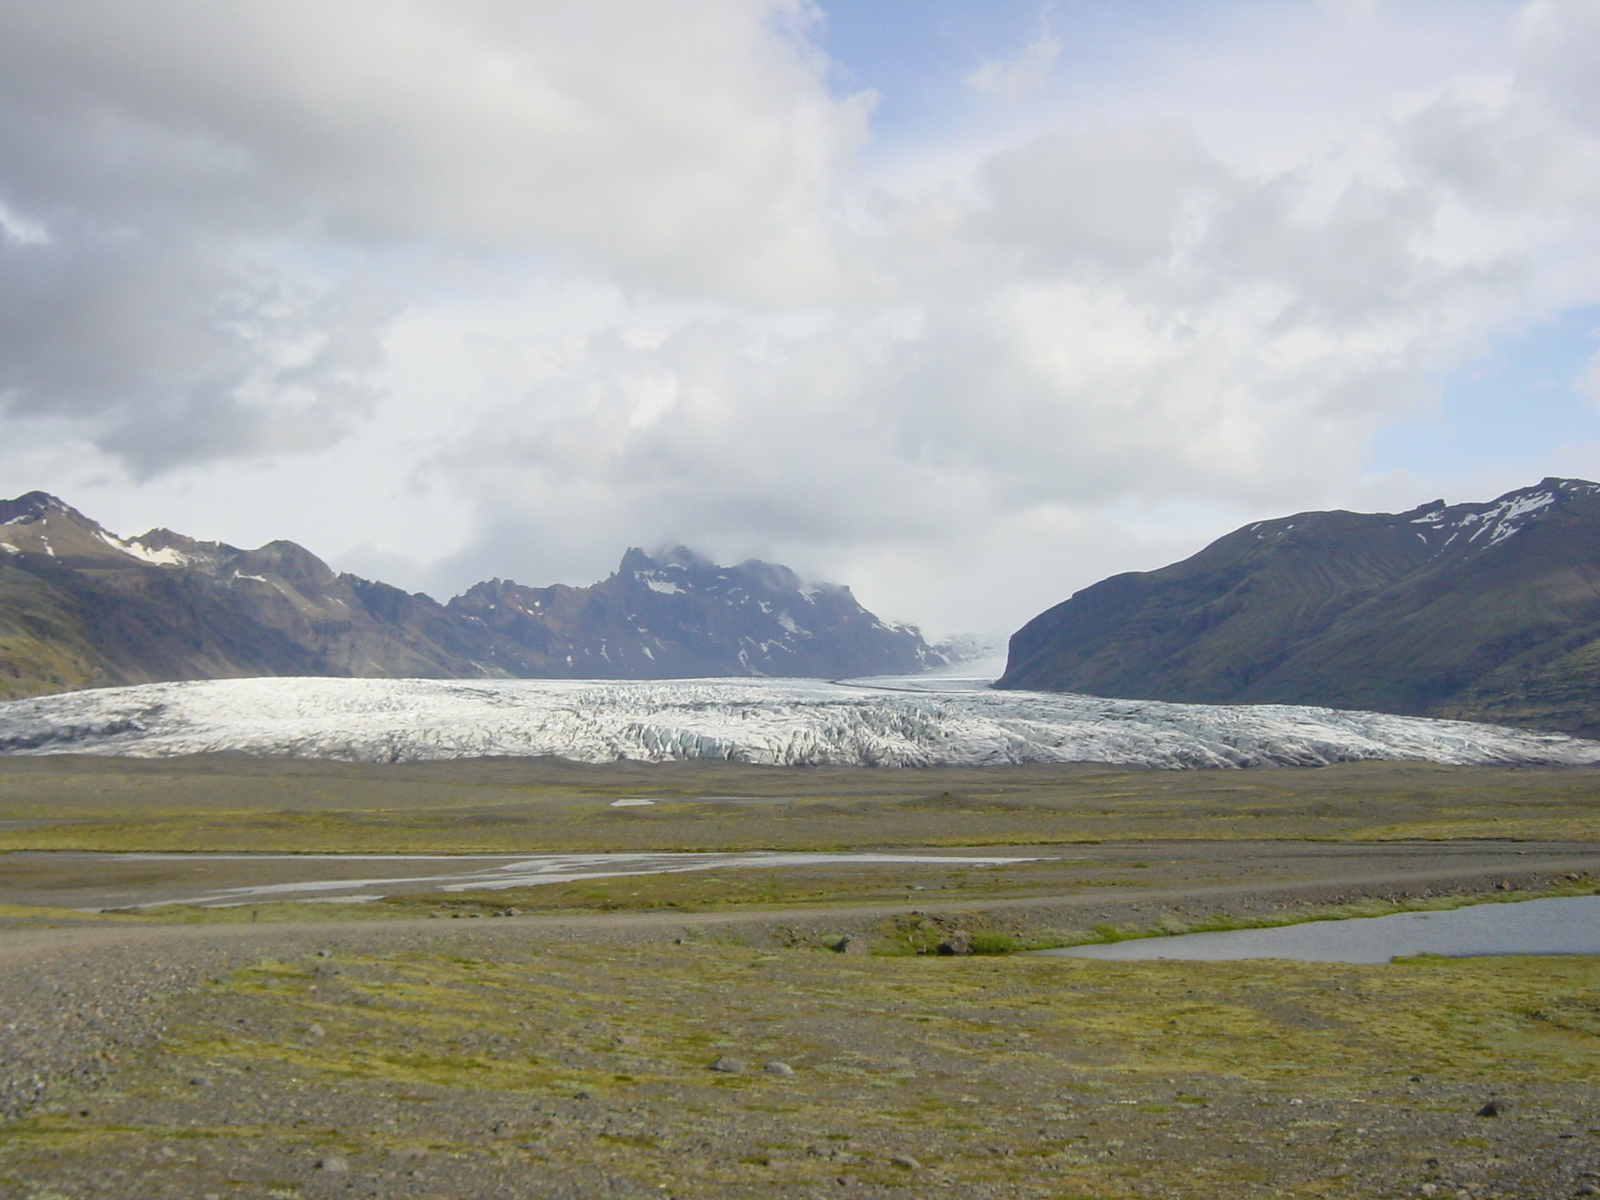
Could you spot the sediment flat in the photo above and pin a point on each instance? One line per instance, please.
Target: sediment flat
(423, 1046)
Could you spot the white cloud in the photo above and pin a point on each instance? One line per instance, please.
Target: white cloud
(1024, 73)
(217, 179)
(537, 283)
(20, 231)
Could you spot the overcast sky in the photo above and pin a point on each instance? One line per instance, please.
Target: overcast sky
(966, 303)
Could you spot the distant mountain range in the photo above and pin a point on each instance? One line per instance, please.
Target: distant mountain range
(1487, 612)
(81, 607)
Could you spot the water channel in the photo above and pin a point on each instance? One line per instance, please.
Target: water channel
(1559, 925)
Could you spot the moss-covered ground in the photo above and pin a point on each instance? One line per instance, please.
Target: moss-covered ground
(235, 803)
(584, 1071)
(546, 1061)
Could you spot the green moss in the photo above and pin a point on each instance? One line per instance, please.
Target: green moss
(234, 804)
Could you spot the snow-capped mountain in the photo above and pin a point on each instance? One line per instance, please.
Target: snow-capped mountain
(792, 722)
(81, 607)
(1483, 611)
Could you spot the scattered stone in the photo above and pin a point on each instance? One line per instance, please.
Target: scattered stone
(728, 1066)
(334, 1166)
(906, 1162)
(781, 1069)
(512, 912)
(1492, 1109)
(583, 1095)
(315, 1030)
(956, 943)
(324, 954)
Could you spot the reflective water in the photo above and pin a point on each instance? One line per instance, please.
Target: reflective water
(1563, 925)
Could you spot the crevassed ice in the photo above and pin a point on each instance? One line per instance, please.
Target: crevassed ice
(911, 722)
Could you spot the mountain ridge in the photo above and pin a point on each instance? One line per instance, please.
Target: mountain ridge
(82, 607)
(1481, 611)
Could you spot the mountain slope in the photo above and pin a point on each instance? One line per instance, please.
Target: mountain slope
(80, 607)
(682, 617)
(1489, 611)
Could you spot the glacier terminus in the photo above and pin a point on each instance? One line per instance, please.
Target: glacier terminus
(888, 722)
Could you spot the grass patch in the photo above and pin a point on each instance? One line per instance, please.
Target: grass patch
(234, 803)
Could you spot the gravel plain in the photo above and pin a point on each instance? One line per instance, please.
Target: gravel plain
(570, 1055)
(783, 1032)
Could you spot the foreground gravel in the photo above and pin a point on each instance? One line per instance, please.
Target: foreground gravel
(150, 1061)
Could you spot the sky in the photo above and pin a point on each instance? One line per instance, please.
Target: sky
(964, 303)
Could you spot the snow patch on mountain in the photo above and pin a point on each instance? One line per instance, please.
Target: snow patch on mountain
(1490, 524)
(166, 556)
(878, 722)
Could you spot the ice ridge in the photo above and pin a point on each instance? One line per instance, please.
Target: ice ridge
(912, 722)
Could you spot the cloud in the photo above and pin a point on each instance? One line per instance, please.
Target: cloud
(1101, 317)
(221, 185)
(19, 231)
(630, 273)
(1025, 72)
(171, 355)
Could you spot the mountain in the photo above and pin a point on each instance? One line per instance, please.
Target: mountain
(1486, 612)
(81, 607)
(683, 617)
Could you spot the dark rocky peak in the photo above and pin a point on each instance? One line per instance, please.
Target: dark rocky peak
(677, 557)
(283, 561)
(41, 524)
(773, 579)
(38, 506)
(681, 570)
(288, 561)
(164, 548)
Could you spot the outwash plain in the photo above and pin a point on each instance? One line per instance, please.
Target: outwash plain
(781, 1031)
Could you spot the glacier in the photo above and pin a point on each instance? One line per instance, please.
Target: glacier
(910, 722)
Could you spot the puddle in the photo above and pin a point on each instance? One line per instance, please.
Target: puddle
(1560, 925)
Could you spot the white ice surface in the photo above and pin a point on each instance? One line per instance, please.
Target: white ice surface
(913, 721)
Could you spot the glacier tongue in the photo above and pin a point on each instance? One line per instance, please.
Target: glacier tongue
(909, 722)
